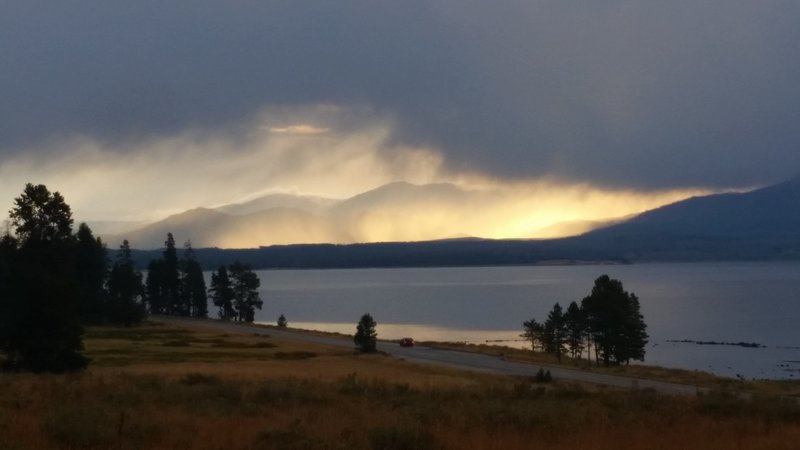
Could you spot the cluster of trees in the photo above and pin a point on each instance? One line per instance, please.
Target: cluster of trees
(175, 286)
(54, 281)
(608, 323)
(234, 290)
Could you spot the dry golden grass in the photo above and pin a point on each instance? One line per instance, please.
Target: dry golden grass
(160, 349)
(680, 376)
(165, 387)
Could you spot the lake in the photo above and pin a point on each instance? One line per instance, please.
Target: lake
(720, 302)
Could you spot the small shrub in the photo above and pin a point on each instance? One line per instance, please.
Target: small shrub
(543, 376)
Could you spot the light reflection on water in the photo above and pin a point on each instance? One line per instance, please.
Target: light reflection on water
(394, 331)
(724, 302)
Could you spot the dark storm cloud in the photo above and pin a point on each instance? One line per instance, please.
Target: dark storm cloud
(631, 93)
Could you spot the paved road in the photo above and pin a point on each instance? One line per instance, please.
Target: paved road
(452, 358)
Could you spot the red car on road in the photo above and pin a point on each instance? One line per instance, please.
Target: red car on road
(406, 342)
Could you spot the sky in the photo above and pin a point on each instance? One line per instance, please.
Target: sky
(138, 110)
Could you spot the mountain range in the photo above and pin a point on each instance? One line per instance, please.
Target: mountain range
(398, 211)
(760, 224)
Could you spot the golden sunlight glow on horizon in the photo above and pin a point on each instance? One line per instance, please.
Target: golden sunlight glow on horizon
(156, 177)
(456, 212)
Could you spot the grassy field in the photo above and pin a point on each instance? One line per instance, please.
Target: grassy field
(682, 376)
(160, 386)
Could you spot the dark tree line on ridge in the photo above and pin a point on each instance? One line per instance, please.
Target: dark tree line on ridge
(54, 281)
(608, 323)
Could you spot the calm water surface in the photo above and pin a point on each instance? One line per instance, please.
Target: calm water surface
(723, 302)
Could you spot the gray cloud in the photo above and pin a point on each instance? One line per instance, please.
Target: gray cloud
(617, 92)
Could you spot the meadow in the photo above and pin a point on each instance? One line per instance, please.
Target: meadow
(164, 386)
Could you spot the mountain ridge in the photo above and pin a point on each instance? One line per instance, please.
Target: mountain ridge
(397, 211)
(762, 224)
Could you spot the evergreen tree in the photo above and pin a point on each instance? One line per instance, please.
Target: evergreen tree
(164, 282)
(576, 329)
(170, 278)
(41, 329)
(615, 322)
(8, 288)
(91, 265)
(633, 334)
(366, 338)
(156, 297)
(555, 332)
(8, 250)
(222, 293)
(282, 321)
(125, 289)
(533, 331)
(40, 217)
(193, 285)
(245, 284)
